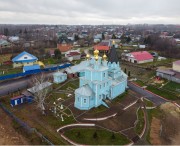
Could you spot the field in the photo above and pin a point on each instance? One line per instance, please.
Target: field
(172, 86)
(162, 93)
(140, 124)
(5, 57)
(160, 132)
(92, 136)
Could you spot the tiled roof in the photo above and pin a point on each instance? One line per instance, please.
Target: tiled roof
(143, 55)
(101, 48)
(64, 48)
(73, 53)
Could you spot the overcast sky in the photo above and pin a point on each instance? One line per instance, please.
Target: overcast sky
(90, 11)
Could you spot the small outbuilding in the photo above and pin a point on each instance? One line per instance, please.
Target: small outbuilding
(17, 100)
(31, 67)
(40, 87)
(59, 77)
(24, 98)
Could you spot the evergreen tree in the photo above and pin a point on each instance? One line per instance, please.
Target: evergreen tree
(113, 136)
(95, 135)
(57, 54)
(103, 37)
(6, 31)
(76, 37)
(25, 31)
(78, 134)
(20, 31)
(113, 36)
(128, 39)
(125, 70)
(129, 73)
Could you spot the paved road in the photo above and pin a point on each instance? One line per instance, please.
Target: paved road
(13, 85)
(152, 97)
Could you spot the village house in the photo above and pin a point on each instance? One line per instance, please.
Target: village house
(138, 57)
(73, 55)
(103, 46)
(64, 44)
(51, 52)
(24, 59)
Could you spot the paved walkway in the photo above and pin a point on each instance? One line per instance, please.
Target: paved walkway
(157, 100)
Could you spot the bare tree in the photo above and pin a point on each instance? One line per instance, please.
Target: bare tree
(40, 90)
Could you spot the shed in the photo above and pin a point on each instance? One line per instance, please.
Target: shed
(59, 77)
(31, 67)
(28, 96)
(17, 100)
(40, 87)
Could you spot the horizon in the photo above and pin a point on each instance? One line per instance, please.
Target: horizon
(90, 12)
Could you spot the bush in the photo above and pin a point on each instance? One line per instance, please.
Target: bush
(95, 136)
(113, 136)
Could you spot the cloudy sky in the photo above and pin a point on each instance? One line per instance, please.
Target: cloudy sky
(89, 11)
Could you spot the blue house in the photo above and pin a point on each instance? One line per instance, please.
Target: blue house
(102, 80)
(59, 77)
(24, 59)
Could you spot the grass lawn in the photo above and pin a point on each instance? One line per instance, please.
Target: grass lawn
(140, 83)
(54, 96)
(172, 86)
(103, 137)
(72, 84)
(50, 61)
(10, 70)
(47, 125)
(163, 93)
(158, 63)
(148, 103)
(140, 124)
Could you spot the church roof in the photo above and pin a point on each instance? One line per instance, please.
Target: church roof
(85, 90)
(113, 55)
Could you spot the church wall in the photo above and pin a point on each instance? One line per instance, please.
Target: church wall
(83, 103)
(118, 89)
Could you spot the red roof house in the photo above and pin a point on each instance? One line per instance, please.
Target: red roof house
(73, 55)
(64, 47)
(103, 46)
(139, 57)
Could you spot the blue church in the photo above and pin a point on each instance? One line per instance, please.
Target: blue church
(102, 78)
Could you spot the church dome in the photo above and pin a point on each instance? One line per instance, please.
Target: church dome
(87, 56)
(104, 57)
(96, 52)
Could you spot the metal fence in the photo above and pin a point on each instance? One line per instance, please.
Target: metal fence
(25, 125)
(54, 68)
